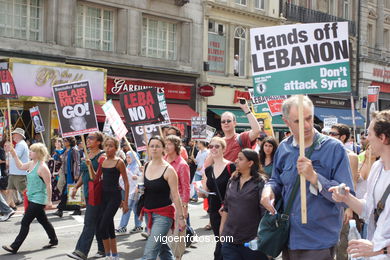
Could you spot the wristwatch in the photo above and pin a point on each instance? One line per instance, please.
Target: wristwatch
(385, 250)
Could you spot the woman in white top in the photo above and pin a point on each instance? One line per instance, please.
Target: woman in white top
(377, 244)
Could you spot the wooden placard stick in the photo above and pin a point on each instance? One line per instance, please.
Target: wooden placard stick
(302, 153)
(9, 122)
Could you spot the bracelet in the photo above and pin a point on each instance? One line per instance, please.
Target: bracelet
(385, 251)
(248, 112)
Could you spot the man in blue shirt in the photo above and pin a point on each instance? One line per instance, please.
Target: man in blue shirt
(328, 166)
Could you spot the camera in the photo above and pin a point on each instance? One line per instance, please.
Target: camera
(242, 101)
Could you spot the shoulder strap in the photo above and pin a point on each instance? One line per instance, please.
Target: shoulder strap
(381, 204)
(216, 185)
(228, 169)
(296, 185)
(240, 141)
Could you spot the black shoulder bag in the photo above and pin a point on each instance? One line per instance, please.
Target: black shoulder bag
(274, 230)
(141, 200)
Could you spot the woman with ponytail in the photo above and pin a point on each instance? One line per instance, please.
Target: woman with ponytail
(242, 212)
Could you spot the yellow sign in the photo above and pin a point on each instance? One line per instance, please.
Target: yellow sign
(267, 119)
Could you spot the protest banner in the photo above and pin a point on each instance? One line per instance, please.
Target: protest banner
(141, 107)
(266, 120)
(114, 120)
(37, 120)
(107, 128)
(164, 109)
(329, 122)
(143, 133)
(275, 106)
(198, 128)
(210, 131)
(7, 91)
(260, 103)
(373, 105)
(75, 108)
(300, 59)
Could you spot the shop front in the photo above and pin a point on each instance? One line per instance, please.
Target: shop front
(34, 80)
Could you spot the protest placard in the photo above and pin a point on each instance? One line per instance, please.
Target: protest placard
(163, 109)
(114, 119)
(373, 105)
(139, 137)
(329, 122)
(141, 107)
(7, 85)
(300, 59)
(107, 128)
(265, 119)
(37, 120)
(75, 108)
(260, 103)
(210, 131)
(198, 128)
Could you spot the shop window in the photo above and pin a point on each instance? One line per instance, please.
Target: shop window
(95, 27)
(239, 49)
(241, 2)
(346, 7)
(159, 39)
(259, 4)
(21, 19)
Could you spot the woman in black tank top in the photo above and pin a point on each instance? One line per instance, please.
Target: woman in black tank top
(161, 184)
(112, 168)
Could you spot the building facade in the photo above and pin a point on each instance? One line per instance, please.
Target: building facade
(136, 43)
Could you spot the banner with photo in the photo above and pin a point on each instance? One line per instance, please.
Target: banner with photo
(138, 135)
(37, 120)
(75, 108)
(198, 128)
(141, 107)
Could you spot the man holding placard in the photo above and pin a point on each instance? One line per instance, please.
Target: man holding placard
(326, 165)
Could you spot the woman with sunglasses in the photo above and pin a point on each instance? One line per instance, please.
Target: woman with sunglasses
(267, 151)
(216, 178)
(161, 188)
(241, 213)
(92, 213)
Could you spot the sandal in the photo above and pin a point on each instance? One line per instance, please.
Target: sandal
(9, 249)
(207, 227)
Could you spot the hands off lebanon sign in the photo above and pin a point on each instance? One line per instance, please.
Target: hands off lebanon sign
(300, 59)
(75, 108)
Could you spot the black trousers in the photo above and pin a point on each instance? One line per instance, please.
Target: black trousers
(111, 202)
(33, 211)
(215, 220)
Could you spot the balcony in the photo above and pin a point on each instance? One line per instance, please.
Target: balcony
(304, 15)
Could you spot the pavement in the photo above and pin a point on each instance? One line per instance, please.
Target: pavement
(68, 229)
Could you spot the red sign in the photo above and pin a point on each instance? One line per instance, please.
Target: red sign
(241, 94)
(7, 86)
(275, 106)
(206, 91)
(182, 127)
(116, 86)
(373, 94)
(385, 87)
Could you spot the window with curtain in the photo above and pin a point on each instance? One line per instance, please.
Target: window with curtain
(239, 49)
(21, 19)
(259, 4)
(159, 39)
(95, 27)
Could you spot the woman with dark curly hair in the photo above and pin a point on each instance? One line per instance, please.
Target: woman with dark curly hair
(266, 154)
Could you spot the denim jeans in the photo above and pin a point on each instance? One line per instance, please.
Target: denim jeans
(155, 247)
(91, 222)
(240, 252)
(197, 177)
(33, 211)
(4, 208)
(125, 217)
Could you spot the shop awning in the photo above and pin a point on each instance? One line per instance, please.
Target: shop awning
(344, 116)
(242, 119)
(177, 112)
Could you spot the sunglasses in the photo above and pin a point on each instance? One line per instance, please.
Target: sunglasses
(216, 146)
(226, 121)
(333, 134)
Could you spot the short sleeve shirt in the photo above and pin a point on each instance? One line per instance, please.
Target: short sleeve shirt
(233, 147)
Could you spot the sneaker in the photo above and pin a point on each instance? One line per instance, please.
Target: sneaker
(74, 255)
(99, 254)
(115, 257)
(145, 235)
(107, 258)
(136, 230)
(77, 212)
(121, 231)
(7, 216)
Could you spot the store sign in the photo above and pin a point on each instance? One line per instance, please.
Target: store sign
(116, 86)
(216, 57)
(206, 91)
(385, 87)
(36, 79)
(332, 103)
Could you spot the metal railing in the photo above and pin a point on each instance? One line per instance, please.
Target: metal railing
(306, 15)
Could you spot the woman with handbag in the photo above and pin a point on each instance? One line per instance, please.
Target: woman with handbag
(241, 213)
(92, 212)
(161, 184)
(374, 207)
(216, 178)
(39, 196)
